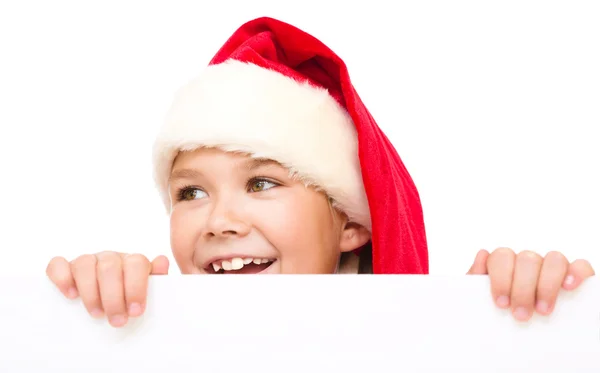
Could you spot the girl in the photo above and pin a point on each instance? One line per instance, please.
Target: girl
(269, 163)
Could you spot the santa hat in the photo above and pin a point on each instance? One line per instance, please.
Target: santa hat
(274, 91)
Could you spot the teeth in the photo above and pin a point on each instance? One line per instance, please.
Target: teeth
(237, 263)
(226, 265)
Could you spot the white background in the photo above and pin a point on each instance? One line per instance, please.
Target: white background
(493, 106)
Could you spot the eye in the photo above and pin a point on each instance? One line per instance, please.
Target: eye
(260, 185)
(190, 193)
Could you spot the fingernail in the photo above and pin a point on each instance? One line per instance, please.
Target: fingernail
(97, 313)
(542, 306)
(72, 293)
(502, 301)
(521, 313)
(117, 320)
(570, 280)
(135, 309)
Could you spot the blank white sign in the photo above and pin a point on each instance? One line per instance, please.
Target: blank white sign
(300, 324)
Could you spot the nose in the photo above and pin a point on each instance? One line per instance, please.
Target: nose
(225, 220)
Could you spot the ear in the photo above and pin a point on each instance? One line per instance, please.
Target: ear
(353, 236)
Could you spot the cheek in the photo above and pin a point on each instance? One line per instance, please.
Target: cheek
(183, 237)
(302, 231)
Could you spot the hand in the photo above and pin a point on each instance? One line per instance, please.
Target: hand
(527, 282)
(109, 283)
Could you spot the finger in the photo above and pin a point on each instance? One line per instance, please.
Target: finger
(500, 267)
(136, 269)
(84, 273)
(524, 287)
(160, 265)
(479, 266)
(578, 271)
(59, 272)
(552, 274)
(112, 293)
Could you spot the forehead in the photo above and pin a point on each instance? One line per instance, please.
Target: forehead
(209, 157)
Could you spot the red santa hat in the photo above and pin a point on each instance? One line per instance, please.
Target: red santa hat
(274, 91)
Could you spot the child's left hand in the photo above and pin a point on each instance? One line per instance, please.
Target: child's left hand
(527, 282)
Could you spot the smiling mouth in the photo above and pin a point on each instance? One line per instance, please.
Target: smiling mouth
(239, 266)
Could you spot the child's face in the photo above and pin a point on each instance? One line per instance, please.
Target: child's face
(229, 209)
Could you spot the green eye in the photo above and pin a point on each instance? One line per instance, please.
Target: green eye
(261, 185)
(189, 194)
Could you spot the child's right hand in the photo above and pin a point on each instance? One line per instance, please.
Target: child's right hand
(110, 284)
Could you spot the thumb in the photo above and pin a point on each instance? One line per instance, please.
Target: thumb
(160, 266)
(479, 266)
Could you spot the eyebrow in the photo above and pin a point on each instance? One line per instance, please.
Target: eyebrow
(250, 165)
(256, 163)
(184, 173)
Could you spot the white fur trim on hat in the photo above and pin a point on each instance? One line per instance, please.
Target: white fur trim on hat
(237, 106)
